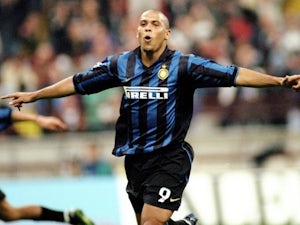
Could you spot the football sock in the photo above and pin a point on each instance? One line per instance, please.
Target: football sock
(172, 222)
(51, 215)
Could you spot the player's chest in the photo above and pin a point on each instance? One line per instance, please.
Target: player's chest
(155, 83)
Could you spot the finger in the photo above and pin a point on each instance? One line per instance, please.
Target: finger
(8, 96)
(296, 87)
(15, 104)
(62, 126)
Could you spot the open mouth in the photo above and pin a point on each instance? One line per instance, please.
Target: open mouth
(147, 38)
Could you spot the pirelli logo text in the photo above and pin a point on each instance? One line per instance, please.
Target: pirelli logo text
(146, 92)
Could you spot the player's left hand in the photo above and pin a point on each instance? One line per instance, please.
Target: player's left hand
(292, 82)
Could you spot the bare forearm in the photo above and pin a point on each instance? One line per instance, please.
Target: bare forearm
(60, 89)
(21, 116)
(250, 78)
(47, 122)
(24, 116)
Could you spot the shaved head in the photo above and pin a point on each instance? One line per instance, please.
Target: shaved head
(153, 33)
(162, 17)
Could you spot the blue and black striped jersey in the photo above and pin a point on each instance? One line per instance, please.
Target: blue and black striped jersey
(157, 103)
(5, 117)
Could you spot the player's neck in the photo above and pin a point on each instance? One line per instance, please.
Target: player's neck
(150, 57)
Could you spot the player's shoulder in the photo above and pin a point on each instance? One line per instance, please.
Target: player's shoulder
(185, 56)
(120, 55)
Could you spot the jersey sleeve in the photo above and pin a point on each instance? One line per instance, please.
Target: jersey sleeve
(96, 79)
(5, 117)
(207, 73)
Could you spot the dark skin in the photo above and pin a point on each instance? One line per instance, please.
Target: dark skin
(10, 213)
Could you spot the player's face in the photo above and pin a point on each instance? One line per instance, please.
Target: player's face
(152, 33)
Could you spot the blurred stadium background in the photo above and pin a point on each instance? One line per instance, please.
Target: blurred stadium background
(246, 141)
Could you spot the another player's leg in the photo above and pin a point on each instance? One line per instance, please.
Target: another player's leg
(10, 213)
(77, 217)
(74, 217)
(38, 213)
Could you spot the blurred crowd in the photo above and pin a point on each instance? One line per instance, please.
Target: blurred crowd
(43, 41)
(91, 162)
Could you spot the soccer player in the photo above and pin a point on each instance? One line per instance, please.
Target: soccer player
(35, 212)
(155, 113)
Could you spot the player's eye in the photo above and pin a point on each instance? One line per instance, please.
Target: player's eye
(143, 23)
(156, 23)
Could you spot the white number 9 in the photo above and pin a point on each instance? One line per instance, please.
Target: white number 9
(164, 193)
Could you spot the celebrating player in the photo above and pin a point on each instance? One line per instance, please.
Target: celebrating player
(155, 112)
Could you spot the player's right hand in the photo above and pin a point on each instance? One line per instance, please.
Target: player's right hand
(18, 98)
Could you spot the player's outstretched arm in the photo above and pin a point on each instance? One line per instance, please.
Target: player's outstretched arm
(60, 89)
(251, 78)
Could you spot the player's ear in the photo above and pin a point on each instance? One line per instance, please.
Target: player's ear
(167, 34)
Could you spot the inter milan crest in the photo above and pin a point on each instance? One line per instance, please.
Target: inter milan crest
(163, 73)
